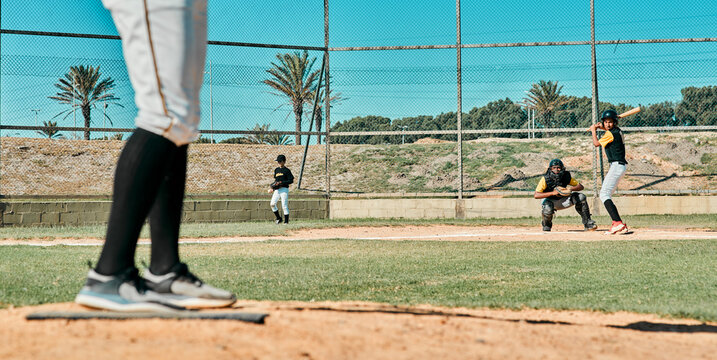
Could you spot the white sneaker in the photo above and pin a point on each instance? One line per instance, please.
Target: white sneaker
(181, 288)
(126, 292)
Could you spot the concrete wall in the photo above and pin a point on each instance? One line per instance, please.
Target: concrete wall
(510, 207)
(51, 213)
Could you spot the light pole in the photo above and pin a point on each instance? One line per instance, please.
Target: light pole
(403, 136)
(74, 116)
(104, 126)
(35, 111)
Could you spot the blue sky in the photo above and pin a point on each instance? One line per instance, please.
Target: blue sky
(395, 84)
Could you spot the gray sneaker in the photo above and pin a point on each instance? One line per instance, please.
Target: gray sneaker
(124, 292)
(181, 288)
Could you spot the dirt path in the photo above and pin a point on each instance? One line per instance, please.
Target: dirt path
(426, 233)
(296, 330)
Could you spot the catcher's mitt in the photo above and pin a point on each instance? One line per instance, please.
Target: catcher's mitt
(563, 191)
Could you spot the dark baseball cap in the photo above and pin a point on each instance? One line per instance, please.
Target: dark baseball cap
(280, 158)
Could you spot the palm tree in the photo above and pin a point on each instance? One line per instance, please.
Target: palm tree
(50, 130)
(82, 88)
(259, 138)
(545, 98)
(278, 139)
(319, 118)
(293, 78)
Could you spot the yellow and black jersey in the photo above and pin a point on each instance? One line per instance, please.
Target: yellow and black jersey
(284, 176)
(543, 186)
(612, 142)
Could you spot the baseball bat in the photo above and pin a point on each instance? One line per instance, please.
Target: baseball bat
(629, 112)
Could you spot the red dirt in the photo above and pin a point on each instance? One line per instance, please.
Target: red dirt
(296, 330)
(426, 233)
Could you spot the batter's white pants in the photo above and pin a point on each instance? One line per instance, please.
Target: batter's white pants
(613, 176)
(283, 194)
(165, 63)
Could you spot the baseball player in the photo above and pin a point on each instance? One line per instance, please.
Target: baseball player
(559, 190)
(164, 45)
(614, 146)
(280, 189)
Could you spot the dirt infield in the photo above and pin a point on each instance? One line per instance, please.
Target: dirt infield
(296, 330)
(426, 233)
(357, 330)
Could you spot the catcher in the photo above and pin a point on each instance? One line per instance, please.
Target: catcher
(558, 189)
(280, 189)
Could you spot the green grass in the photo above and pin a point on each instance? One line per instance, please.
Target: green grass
(672, 278)
(268, 228)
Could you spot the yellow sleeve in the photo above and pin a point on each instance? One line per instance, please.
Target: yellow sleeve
(541, 185)
(606, 139)
(573, 182)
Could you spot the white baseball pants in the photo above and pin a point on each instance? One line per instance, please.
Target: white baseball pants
(283, 194)
(164, 48)
(613, 176)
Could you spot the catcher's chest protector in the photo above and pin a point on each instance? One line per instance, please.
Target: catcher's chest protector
(551, 182)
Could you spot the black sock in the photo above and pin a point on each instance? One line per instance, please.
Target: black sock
(286, 219)
(166, 215)
(276, 213)
(612, 210)
(140, 171)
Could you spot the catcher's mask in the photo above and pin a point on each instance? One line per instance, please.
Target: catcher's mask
(556, 162)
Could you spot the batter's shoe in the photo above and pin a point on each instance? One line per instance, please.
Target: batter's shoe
(180, 287)
(277, 221)
(126, 292)
(618, 227)
(590, 225)
(546, 228)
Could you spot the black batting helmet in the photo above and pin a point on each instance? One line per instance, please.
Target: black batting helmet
(609, 114)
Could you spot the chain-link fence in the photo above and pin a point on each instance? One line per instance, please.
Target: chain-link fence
(397, 82)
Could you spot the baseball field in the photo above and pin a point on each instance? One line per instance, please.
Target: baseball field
(390, 289)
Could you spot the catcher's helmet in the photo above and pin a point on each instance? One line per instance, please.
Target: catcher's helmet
(556, 162)
(609, 114)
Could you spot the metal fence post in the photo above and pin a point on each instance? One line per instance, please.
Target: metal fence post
(327, 137)
(596, 208)
(459, 112)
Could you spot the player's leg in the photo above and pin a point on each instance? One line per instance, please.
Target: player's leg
(164, 44)
(274, 200)
(115, 284)
(165, 54)
(166, 214)
(139, 173)
(284, 195)
(581, 206)
(548, 209)
(613, 176)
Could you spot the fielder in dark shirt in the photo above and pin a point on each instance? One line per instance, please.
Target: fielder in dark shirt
(283, 177)
(280, 189)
